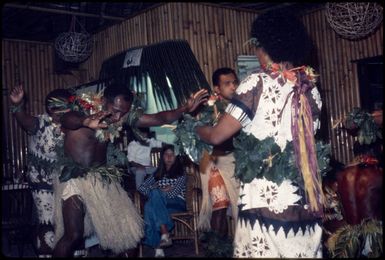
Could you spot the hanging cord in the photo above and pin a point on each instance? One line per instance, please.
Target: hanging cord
(75, 21)
(72, 25)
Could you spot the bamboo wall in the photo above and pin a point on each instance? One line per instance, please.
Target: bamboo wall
(216, 36)
(338, 75)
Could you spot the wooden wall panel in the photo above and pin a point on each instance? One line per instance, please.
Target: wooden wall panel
(338, 75)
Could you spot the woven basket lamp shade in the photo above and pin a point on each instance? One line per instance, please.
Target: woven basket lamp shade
(354, 20)
(74, 46)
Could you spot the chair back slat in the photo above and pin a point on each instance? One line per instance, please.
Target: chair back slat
(155, 156)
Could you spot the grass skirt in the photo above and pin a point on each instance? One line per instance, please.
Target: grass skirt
(110, 213)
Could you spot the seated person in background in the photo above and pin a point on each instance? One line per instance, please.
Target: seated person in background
(138, 155)
(165, 192)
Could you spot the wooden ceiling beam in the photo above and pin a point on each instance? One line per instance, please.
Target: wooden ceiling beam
(57, 11)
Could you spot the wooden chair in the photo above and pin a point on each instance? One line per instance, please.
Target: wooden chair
(186, 223)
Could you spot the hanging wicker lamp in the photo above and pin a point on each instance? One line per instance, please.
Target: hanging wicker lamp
(354, 20)
(74, 46)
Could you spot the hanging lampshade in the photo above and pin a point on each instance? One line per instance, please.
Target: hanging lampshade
(74, 46)
(354, 20)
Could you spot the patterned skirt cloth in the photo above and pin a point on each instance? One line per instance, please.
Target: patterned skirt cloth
(217, 190)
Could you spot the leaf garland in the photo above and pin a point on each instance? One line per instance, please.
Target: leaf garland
(188, 141)
(108, 173)
(132, 118)
(186, 138)
(263, 158)
(349, 240)
(115, 156)
(361, 123)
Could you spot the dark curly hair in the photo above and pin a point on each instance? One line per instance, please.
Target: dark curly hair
(282, 36)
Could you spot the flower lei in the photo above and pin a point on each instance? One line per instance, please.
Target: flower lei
(88, 103)
(279, 69)
(216, 105)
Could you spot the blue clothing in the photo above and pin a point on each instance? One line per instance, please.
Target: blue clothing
(159, 207)
(178, 184)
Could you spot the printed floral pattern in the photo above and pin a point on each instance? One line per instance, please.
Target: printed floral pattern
(269, 194)
(263, 193)
(260, 242)
(217, 194)
(44, 202)
(217, 190)
(260, 245)
(272, 93)
(249, 83)
(42, 144)
(41, 176)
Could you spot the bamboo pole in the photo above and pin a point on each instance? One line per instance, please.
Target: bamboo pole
(163, 18)
(6, 69)
(330, 84)
(196, 34)
(14, 132)
(170, 15)
(227, 40)
(211, 42)
(206, 47)
(345, 96)
(154, 29)
(58, 11)
(191, 27)
(324, 76)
